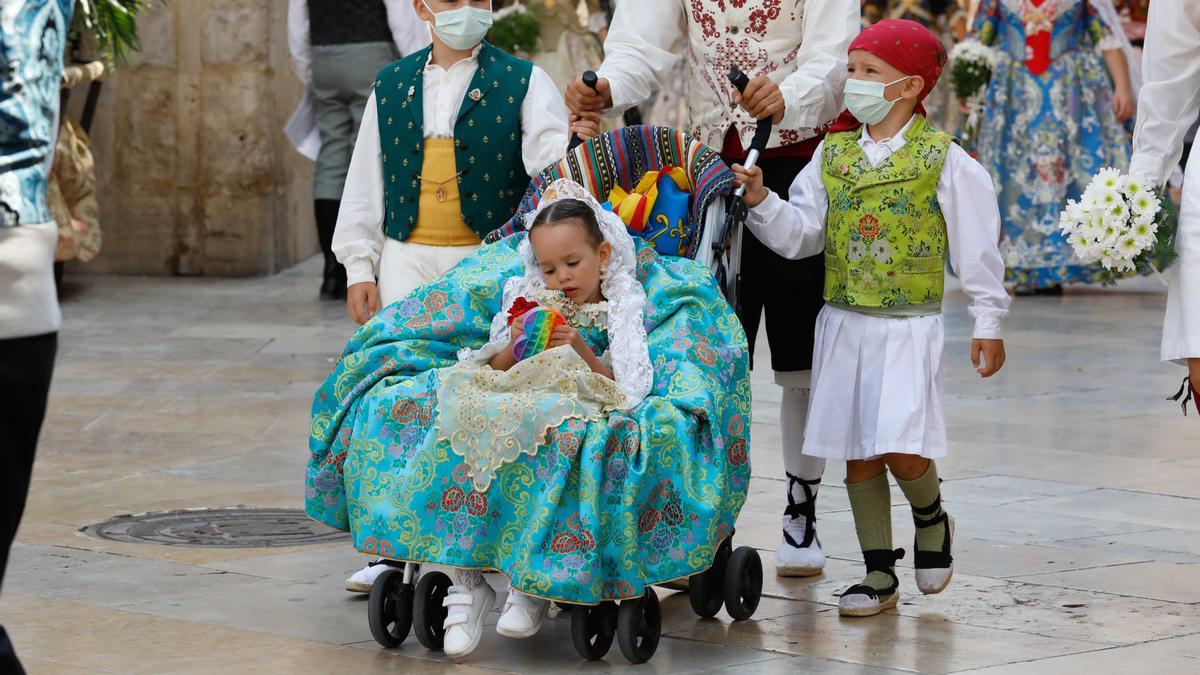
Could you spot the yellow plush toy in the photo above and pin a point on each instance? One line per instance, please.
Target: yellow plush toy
(635, 208)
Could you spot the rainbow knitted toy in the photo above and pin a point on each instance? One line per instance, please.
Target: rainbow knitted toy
(538, 323)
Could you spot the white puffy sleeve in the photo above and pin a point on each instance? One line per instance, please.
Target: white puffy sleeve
(358, 237)
(544, 132)
(794, 228)
(1170, 98)
(645, 42)
(813, 94)
(298, 41)
(968, 201)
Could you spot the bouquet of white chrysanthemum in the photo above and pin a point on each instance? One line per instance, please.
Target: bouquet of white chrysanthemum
(1120, 223)
(971, 65)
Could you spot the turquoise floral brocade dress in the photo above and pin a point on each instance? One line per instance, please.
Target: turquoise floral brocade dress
(1049, 127)
(605, 502)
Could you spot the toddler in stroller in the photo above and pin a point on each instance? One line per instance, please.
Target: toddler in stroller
(611, 461)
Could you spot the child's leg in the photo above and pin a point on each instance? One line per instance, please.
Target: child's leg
(469, 601)
(799, 553)
(917, 477)
(870, 500)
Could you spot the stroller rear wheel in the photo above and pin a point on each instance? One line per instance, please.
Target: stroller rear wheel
(639, 626)
(390, 609)
(593, 629)
(429, 616)
(743, 583)
(706, 590)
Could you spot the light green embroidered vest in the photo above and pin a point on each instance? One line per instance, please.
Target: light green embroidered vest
(487, 140)
(885, 238)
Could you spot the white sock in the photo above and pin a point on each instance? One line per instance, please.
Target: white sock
(467, 579)
(793, 418)
(803, 472)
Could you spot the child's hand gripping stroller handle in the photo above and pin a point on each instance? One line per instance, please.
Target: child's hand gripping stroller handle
(591, 80)
(762, 133)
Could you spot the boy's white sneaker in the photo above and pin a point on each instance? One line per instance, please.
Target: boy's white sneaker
(522, 616)
(362, 580)
(464, 620)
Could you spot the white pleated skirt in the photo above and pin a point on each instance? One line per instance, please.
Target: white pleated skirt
(876, 387)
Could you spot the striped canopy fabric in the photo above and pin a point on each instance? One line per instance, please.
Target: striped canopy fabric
(621, 158)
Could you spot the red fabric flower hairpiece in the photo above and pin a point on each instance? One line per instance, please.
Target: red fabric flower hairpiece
(519, 307)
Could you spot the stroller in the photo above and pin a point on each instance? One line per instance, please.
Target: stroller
(399, 602)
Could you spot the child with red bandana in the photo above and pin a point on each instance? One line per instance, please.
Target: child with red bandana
(888, 202)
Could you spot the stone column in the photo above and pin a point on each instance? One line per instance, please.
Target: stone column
(195, 175)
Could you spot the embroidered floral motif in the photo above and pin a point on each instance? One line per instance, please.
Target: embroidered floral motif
(379, 469)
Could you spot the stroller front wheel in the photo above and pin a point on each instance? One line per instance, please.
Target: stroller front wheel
(639, 626)
(743, 583)
(390, 609)
(429, 616)
(706, 590)
(593, 629)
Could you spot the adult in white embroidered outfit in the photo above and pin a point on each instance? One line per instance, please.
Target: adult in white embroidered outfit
(1167, 108)
(795, 53)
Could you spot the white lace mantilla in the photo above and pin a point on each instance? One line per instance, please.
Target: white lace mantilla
(628, 352)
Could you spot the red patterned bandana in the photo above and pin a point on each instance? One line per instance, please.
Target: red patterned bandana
(908, 47)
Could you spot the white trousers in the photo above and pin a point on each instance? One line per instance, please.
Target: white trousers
(405, 267)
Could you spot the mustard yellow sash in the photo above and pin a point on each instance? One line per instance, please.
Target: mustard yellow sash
(439, 213)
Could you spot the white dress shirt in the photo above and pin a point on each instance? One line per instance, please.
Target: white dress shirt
(647, 40)
(796, 228)
(1167, 108)
(358, 239)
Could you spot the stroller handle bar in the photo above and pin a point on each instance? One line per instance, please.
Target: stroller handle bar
(591, 80)
(762, 133)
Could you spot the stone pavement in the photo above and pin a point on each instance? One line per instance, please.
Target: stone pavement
(1076, 488)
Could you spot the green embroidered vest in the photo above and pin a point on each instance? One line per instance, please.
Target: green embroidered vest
(885, 238)
(487, 140)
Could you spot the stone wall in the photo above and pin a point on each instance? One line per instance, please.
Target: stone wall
(195, 176)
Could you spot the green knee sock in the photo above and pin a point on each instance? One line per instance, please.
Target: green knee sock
(925, 497)
(871, 502)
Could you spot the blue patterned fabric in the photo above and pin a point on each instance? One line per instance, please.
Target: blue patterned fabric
(1045, 136)
(32, 40)
(604, 508)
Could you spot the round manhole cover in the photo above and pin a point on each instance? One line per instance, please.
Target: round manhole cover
(226, 528)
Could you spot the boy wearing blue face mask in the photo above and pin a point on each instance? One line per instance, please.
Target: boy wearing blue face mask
(887, 203)
(449, 140)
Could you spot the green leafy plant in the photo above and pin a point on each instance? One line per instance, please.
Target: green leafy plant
(516, 30)
(110, 26)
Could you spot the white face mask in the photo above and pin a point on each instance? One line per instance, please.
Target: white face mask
(461, 28)
(864, 100)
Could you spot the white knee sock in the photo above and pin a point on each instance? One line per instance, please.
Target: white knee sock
(793, 418)
(467, 578)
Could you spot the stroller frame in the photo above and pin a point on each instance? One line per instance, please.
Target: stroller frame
(734, 581)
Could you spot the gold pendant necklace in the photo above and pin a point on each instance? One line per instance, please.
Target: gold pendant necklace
(441, 193)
